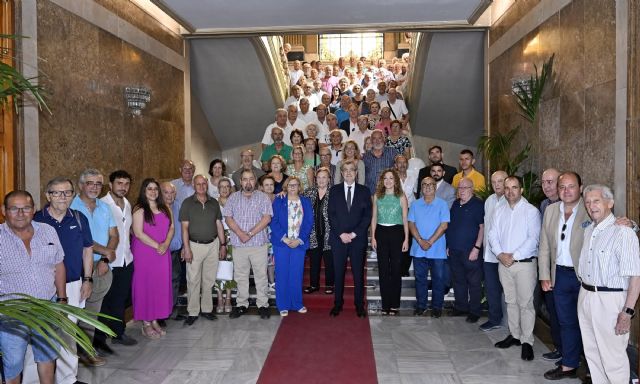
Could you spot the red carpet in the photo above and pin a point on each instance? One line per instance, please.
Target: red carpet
(316, 348)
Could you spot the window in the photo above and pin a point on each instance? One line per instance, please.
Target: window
(369, 45)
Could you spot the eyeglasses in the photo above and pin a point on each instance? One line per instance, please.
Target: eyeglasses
(15, 210)
(430, 185)
(67, 193)
(562, 236)
(93, 184)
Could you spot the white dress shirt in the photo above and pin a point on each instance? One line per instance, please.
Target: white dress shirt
(516, 230)
(564, 246)
(490, 206)
(123, 221)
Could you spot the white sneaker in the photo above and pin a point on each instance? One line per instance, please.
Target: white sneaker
(302, 310)
(284, 313)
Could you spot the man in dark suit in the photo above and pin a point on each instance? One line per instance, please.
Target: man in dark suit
(349, 216)
(435, 157)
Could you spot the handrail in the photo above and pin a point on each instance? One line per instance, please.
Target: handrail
(412, 80)
(269, 50)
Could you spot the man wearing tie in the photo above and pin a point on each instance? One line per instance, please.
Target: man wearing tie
(349, 216)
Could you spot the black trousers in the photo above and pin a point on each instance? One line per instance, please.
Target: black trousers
(317, 256)
(390, 257)
(406, 262)
(356, 253)
(467, 281)
(117, 299)
(176, 272)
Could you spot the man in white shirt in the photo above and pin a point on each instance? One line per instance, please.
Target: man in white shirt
(281, 122)
(361, 134)
(293, 122)
(492, 285)
(294, 99)
(305, 114)
(514, 239)
(332, 125)
(336, 146)
(115, 301)
(296, 72)
(381, 95)
(399, 109)
(307, 92)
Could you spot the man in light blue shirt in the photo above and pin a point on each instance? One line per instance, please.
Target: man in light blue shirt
(428, 220)
(105, 241)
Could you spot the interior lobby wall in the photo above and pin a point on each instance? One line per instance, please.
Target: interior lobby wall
(575, 128)
(86, 69)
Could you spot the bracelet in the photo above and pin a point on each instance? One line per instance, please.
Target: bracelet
(62, 300)
(223, 245)
(89, 279)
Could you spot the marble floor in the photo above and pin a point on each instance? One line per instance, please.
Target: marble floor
(407, 350)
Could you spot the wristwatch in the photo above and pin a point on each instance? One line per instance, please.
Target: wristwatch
(629, 311)
(89, 279)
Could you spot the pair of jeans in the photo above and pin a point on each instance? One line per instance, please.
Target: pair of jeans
(422, 266)
(15, 336)
(493, 292)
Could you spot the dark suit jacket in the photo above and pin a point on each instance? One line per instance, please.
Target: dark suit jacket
(356, 220)
(449, 172)
(280, 220)
(345, 126)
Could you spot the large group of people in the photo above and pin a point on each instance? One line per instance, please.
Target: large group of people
(329, 183)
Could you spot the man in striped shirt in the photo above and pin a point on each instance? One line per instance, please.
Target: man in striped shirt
(609, 270)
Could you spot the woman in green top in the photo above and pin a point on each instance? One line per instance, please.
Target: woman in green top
(299, 168)
(390, 237)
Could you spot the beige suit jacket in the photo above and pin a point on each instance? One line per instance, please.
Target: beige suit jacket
(548, 249)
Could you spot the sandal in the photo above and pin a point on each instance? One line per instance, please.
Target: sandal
(156, 327)
(227, 306)
(220, 306)
(148, 331)
(328, 290)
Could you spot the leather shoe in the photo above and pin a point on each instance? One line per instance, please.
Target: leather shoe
(264, 312)
(209, 316)
(190, 320)
(335, 311)
(103, 348)
(527, 352)
(91, 361)
(558, 374)
(436, 313)
(507, 342)
(311, 289)
(361, 312)
(179, 317)
(237, 312)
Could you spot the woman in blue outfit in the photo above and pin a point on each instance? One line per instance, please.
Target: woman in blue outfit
(290, 229)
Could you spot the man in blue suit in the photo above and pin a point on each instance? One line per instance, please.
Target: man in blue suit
(349, 216)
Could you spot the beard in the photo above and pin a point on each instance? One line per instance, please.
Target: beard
(436, 178)
(247, 188)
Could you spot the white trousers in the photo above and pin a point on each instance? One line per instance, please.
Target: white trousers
(605, 351)
(67, 362)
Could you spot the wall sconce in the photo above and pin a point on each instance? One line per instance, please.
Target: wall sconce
(137, 99)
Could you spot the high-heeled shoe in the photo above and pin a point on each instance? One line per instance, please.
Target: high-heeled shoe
(149, 332)
(156, 327)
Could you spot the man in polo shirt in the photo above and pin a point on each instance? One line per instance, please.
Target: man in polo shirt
(75, 237)
(277, 148)
(105, 241)
(201, 222)
(467, 170)
(428, 220)
(119, 295)
(246, 160)
(247, 213)
(464, 242)
(31, 263)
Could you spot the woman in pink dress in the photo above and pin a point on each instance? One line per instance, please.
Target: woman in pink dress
(151, 287)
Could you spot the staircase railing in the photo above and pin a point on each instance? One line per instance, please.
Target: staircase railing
(270, 53)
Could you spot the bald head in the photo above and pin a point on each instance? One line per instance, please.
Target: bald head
(168, 191)
(497, 182)
(549, 182)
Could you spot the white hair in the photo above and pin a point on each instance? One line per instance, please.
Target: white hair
(606, 191)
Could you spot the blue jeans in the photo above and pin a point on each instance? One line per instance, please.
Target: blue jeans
(14, 338)
(421, 267)
(493, 291)
(565, 295)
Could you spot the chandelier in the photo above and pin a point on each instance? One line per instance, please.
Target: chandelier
(137, 99)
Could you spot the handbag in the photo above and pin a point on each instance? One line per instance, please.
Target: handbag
(225, 270)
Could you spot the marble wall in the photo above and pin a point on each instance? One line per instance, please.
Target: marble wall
(86, 70)
(575, 128)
